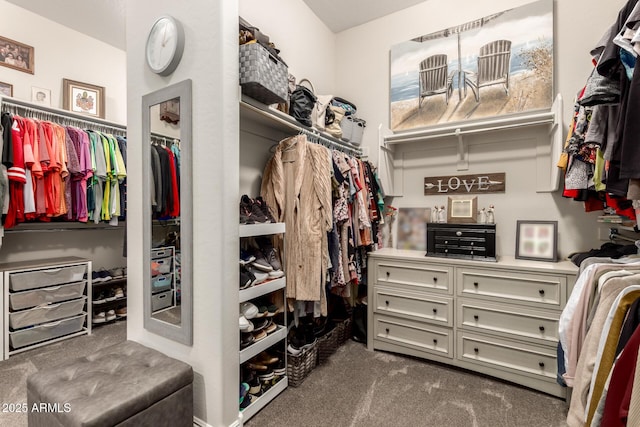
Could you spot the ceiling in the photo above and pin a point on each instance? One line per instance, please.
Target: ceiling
(105, 19)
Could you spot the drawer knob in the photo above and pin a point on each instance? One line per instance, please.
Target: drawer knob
(386, 302)
(475, 284)
(446, 242)
(435, 311)
(541, 364)
(458, 233)
(471, 252)
(388, 274)
(387, 330)
(476, 350)
(446, 250)
(435, 342)
(541, 328)
(435, 280)
(476, 317)
(541, 292)
(471, 243)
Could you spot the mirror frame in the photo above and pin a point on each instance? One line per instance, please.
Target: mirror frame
(182, 333)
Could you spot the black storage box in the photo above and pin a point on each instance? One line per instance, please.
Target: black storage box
(465, 241)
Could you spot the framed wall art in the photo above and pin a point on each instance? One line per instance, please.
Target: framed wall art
(41, 96)
(462, 209)
(495, 65)
(83, 98)
(6, 89)
(537, 240)
(412, 228)
(16, 55)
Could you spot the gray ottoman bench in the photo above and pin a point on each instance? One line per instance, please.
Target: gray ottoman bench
(126, 384)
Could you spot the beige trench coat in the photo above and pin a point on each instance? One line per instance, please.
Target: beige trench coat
(297, 186)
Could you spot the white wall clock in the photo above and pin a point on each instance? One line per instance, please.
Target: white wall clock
(165, 45)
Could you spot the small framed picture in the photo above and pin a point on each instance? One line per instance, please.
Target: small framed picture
(537, 240)
(41, 96)
(83, 98)
(462, 209)
(6, 89)
(170, 111)
(16, 55)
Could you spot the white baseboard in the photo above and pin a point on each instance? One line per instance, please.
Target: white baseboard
(197, 422)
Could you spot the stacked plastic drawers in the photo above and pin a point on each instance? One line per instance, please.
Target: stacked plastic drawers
(162, 278)
(47, 302)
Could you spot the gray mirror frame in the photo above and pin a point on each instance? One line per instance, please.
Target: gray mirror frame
(182, 333)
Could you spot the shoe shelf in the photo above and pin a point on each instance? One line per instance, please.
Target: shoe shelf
(261, 289)
(262, 229)
(107, 305)
(260, 346)
(264, 400)
(109, 283)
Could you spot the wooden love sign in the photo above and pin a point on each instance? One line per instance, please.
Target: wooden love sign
(465, 184)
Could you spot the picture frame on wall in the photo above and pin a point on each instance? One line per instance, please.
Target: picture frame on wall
(83, 98)
(41, 96)
(16, 55)
(537, 240)
(6, 89)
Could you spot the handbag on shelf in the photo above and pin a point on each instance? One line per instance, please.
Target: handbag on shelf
(334, 129)
(302, 103)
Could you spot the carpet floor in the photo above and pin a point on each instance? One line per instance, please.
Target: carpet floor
(358, 388)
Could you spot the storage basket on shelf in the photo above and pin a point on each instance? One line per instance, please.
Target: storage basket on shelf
(327, 345)
(263, 77)
(300, 365)
(352, 129)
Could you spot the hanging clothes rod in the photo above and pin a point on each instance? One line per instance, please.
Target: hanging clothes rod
(62, 117)
(319, 139)
(614, 234)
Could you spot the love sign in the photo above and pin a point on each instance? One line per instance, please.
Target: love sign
(465, 184)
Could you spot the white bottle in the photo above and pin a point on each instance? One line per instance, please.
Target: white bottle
(442, 215)
(434, 214)
(482, 217)
(490, 216)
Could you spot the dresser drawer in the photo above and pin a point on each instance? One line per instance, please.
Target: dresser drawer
(46, 277)
(414, 305)
(46, 313)
(26, 299)
(504, 319)
(418, 276)
(166, 252)
(415, 335)
(537, 289)
(46, 331)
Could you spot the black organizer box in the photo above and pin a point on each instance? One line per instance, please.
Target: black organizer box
(466, 241)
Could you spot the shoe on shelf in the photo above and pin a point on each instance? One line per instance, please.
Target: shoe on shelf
(111, 295)
(272, 310)
(257, 366)
(248, 400)
(103, 275)
(100, 298)
(244, 390)
(246, 339)
(245, 325)
(248, 310)
(121, 312)
(119, 293)
(266, 358)
(266, 211)
(250, 212)
(261, 262)
(260, 324)
(259, 335)
(270, 328)
(247, 278)
(270, 253)
(116, 273)
(259, 276)
(255, 387)
(111, 315)
(99, 317)
(246, 257)
(276, 274)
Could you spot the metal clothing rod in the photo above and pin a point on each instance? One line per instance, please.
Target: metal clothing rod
(319, 139)
(68, 118)
(614, 234)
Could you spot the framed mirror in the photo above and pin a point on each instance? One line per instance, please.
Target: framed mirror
(168, 229)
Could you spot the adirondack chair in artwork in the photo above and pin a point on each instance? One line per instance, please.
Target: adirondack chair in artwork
(434, 78)
(494, 62)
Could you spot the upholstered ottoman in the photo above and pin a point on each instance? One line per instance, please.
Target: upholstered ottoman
(126, 384)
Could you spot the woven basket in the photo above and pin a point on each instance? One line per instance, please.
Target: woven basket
(344, 331)
(263, 76)
(327, 345)
(300, 365)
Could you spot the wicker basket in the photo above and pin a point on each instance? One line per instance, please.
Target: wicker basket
(263, 76)
(327, 345)
(300, 365)
(344, 331)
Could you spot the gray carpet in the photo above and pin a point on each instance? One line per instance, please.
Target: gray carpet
(14, 372)
(358, 388)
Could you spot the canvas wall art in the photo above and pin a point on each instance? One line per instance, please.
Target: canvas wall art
(496, 65)
(412, 228)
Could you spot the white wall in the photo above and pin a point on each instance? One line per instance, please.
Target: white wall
(60, 52)
(210, 60)
(362, 60)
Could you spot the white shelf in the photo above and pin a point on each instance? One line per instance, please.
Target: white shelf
(260, 346)
(264, 400)
(262, 289)
(250, 230)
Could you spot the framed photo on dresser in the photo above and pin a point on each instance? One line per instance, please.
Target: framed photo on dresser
(537, 240)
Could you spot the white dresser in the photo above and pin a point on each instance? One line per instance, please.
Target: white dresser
(496, 318)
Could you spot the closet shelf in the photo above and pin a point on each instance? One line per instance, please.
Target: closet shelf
(264, 400)
(40, 227)
(262, 289)
(251, 230)
(256, 112)
(260, 346)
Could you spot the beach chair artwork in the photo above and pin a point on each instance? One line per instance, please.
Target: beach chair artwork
(434, 78)
(494, 63)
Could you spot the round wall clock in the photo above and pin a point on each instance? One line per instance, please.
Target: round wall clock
(165, 45)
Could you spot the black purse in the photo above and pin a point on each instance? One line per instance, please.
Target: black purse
(301, 105)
